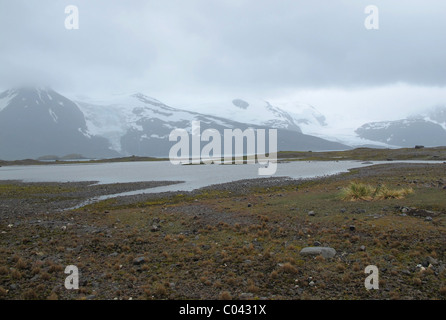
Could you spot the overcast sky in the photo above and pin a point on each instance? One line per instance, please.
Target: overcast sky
(182, 51)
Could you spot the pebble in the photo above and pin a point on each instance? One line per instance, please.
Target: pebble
(432, 261)
(246, 296)
(406, 272)
(326, 252)
(311, 214)
(139, 260)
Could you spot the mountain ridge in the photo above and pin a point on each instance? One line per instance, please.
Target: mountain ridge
(35, 122)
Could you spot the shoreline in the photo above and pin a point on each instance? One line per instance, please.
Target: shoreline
(66, 196)
(361, 153)
(239, 240)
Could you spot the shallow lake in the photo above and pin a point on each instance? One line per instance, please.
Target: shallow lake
(194, 176)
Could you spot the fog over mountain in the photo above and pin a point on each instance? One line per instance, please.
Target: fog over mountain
(428, 129)
(35, 122)
(308, 67)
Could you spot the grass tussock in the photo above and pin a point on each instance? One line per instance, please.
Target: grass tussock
(360, 191)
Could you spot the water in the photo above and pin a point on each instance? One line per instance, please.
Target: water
(194, 176)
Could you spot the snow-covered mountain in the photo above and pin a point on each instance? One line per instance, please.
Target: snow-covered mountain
(35, 122)
(264, 113)
(39, 121)
(436, 115)
(137, 123)
(428, 129)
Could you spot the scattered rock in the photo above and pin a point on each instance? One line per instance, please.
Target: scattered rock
(246, 296)
(343, 210)
(406, 272)
(249, 205)
(311, 213)
(326, 252)
(432, 261)
(352, 228)
(139, 260)
(317, 244)
(362, 248)
(428, 219)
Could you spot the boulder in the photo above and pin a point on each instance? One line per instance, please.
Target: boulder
(326, 252)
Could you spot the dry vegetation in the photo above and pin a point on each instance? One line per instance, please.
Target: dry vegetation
(241, 245)
(360, 191)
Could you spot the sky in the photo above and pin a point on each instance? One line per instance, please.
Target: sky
(184, 52)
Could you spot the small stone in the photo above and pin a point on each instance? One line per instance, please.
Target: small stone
(139, 260)
(246, 296)
(432, 261)
(343, 210)
(317, 244)
(425, 264)
(155, 228)
(326, 252)
(311, 213)
(249, 205)
(362, 248)
(311, 284)
(352, 228)
(428, 219)
(205, 247)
